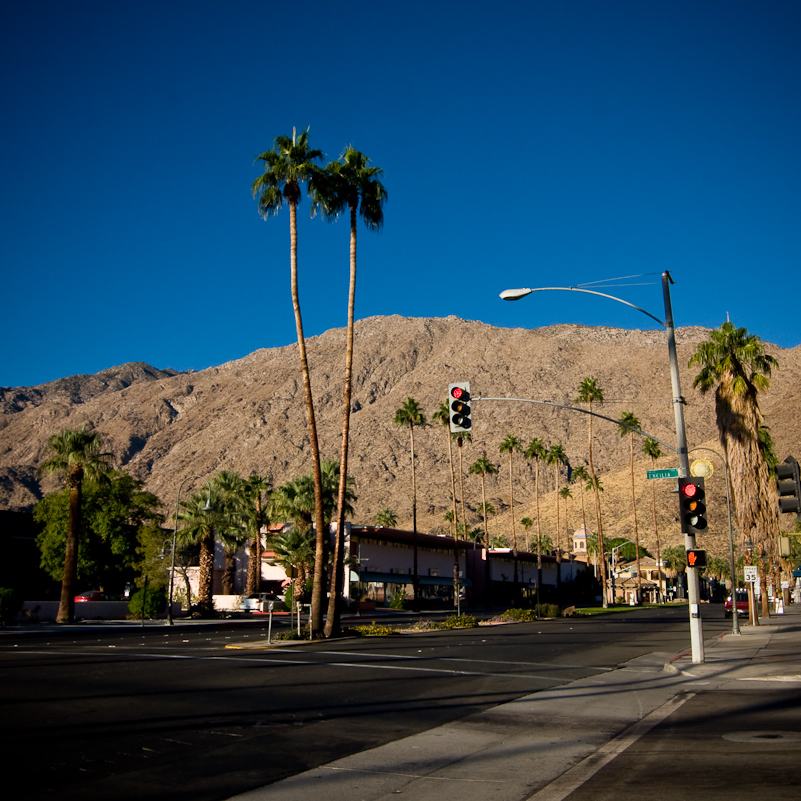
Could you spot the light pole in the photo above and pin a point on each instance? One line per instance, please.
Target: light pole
(693, 583)
(206, 508)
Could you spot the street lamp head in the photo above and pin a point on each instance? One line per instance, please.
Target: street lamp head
(208, 507)
(515, 294)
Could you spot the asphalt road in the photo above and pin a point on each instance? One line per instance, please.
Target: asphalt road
(155, 713)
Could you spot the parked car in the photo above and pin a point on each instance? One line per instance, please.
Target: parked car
(92, 595)
(742, 603)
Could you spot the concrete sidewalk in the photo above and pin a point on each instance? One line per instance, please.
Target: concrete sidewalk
(540, 746)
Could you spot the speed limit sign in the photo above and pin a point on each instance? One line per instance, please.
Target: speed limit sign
(750, 572)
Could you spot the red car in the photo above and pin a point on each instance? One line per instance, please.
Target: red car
(742, 603)
(92, 595)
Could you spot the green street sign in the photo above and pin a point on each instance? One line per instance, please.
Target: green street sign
(671, 472)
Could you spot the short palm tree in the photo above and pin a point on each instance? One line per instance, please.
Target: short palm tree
(483, 467)
(294, 551)
(386, 517)
(198, 527)
(287, 166)
(629, 421)
(256, 487)
(589, 392)
(734, 363)
(527, 523)
(565, 494)
(352, 184)
(231, 533)
(651, 449)
(411, 415)
(77, 453)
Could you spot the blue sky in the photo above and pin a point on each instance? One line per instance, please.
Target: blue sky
(540, 143)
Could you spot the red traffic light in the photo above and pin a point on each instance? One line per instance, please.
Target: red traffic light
(460, 393)
(689, 490)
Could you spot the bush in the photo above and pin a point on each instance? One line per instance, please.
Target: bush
(154, 603)
(461, 622)
(10, 604)
(374, 630)
(529, 615)
(398, 598)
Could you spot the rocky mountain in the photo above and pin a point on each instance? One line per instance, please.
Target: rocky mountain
(248, 415)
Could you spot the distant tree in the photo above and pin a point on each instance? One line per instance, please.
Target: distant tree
(581, 477)
(651, 449)
(483, 467)
(557, 457)
(77, 454)
(527, 523)
(294, 551)
(443, 417)
(511, 445)
(535, 451)
(411, 415)
(197, 525)
(386, 517)
(257, 490)
(628, 421)
(589, 392)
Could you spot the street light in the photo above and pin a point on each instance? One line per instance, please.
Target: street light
(206, 508)
(696, 634)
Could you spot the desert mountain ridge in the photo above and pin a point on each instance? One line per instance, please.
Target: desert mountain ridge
(248, 415)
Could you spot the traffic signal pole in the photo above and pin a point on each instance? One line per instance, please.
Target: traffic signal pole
(693, 580)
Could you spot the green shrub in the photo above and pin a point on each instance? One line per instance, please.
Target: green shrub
(461, 622)
(519, 614)
(155, 602)
(10, 604)
(398, 598)
(374, 630)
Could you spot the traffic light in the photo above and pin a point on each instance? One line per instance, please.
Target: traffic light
(696, 558)
(459, 405)
(692, 506)
(788, 484)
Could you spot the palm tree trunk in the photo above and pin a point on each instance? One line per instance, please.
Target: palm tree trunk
(415, 579)
(205, 579)
(254, 559)
(597, 495)
(558, 535)
(66, 606)
(484, 504)
(539, 532)
(332, 624)
(634, 509)
(319, 555)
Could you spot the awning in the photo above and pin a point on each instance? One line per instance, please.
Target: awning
(406, 578)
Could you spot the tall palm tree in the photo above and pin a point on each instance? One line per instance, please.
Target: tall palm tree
(557, 457)
(628, 421)
(651, 448)
(589, 392)
(289, 164)
(536, 450)
(483, 467)
(734, 363)
(565, 494)
(511, 445)
(411, 415)
(352, 184)
(443, 417)
(527, 523)
(77, 454)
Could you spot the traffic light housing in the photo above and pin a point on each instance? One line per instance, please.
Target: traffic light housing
(459, 407)
(692, 505)
(696, 558)
(788, 485)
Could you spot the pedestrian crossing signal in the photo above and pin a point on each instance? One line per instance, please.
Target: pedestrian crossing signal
(696, 558)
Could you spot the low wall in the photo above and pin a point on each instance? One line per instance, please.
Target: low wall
(46, 611)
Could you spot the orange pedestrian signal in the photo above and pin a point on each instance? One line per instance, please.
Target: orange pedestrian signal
(696, 558)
